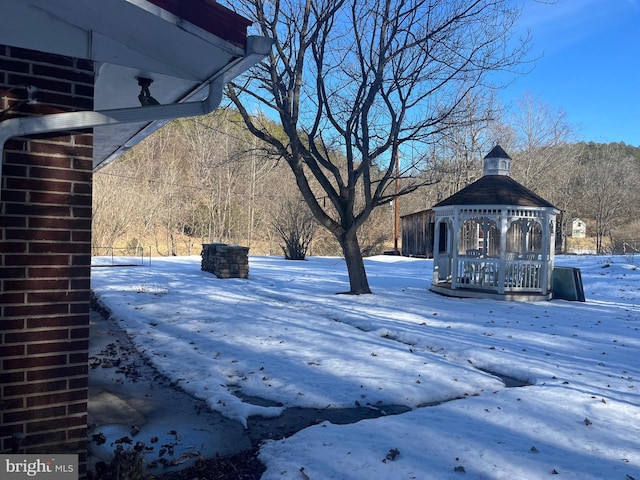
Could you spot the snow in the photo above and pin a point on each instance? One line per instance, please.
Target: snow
(286, 335)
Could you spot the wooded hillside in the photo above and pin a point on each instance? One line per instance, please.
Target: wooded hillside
(208, 180)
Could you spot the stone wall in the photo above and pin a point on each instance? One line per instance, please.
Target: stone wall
(225, 261)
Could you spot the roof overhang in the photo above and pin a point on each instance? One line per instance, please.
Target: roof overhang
(180, 45)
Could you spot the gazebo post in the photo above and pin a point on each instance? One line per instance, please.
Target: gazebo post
(502, 267)
(454, 249)
(548, 251)
(436, 251)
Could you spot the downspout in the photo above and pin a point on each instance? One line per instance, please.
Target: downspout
(257, 49)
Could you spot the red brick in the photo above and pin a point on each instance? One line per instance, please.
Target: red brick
(39, 348)
(13, 247)
(82, 188)
(35, 284)
(58, 272)
(58, 321)
(77, 408)
(30, 388)
(33, 310)
(56, 198)
(42, 162)
(60, 372)
(30, 210)
(11, 350)
(14, 174)
(8, 431)
(81, 283)
(28, 336)
(82, 357)
(41, 235)
(19, 157)
(13, 144)
(57, 223)
(14, 196)
(41, 84)
(12, 324)
(46, 425)
(13, 272)
(11, 298)
(83, 90)
(56, 297)
(31, 362)
(51, 398)
(39, 185)
(53, 247)
(9, 65)
(14, 222)
(79, 332)
(78, 383)
(58, 423)
(43, 439)
(83, 259)
(14, 403)
(66, 153)
(14, 260)
(20, 416)
(79, 433)
(80, 307)
(69, 75)
(11, 377)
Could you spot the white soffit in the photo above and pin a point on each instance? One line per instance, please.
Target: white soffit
(126, 39)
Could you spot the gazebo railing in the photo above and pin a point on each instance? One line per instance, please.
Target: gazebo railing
(523, 275)
(478, 272)
(483, 273)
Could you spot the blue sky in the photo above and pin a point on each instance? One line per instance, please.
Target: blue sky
(589, 65)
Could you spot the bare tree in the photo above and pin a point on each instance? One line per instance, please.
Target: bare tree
(370, 81)
(295, 225)
(460, 148)
(114, 209)
(539, 131)
(607, 182)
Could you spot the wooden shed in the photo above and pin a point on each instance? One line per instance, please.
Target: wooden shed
(417, 234)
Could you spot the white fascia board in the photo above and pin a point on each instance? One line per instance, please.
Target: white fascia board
(130, 33)
(31, 28)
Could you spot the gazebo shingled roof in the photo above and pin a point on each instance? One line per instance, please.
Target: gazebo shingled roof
(495, 190)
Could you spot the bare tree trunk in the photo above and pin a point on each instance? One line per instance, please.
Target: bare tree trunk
(355, 263)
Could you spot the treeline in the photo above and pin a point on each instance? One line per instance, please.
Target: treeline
(207, 179)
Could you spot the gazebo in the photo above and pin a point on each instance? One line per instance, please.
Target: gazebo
(494, 238)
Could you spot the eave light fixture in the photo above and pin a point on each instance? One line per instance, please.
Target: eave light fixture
(145, 96)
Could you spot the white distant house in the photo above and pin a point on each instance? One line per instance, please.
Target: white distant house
(578, 228)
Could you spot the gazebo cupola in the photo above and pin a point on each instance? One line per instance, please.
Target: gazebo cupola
(497, 162)
(494, 238)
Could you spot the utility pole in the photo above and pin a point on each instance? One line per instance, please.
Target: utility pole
(396, 207)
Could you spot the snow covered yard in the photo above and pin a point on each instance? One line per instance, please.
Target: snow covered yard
(284, 335)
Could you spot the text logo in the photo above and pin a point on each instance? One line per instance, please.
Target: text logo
(36, 466)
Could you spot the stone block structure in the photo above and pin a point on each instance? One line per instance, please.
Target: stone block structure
(225, 261)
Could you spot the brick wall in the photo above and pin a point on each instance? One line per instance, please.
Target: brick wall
(45, 248)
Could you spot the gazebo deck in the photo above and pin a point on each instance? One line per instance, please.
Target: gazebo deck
(444, 288)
